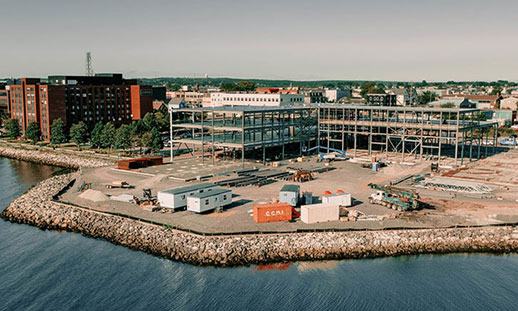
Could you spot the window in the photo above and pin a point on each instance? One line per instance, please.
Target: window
(183, 197)
(207, 202)
(224, 197)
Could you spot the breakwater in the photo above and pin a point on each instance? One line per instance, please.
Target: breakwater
(36, 208)
(49, 157)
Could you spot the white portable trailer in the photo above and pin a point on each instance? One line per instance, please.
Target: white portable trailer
(316, 213)
(341, 199)
(177, 198)
(207, 201)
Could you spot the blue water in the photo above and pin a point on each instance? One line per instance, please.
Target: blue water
(46, 270)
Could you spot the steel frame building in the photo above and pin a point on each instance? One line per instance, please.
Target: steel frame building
(244, 129)
(409, 131)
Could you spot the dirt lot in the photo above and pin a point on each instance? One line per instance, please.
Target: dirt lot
(451, 209)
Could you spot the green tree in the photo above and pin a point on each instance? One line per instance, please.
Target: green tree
(246, 86)
(156, 141)
(95, 137)
(57, 132)
(79, 133)
(496, 91)
(370, 88)
(33, 132)
(13, 128)
(146, 140)
(108, 136)
(123, 137)
(427, 97)
(149, 121)
(448, 105)
(162, 121)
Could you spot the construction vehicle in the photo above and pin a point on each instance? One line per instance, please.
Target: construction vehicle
(395, 198)
(302, 176)
(117, 184)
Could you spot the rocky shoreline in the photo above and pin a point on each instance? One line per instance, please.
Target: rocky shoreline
(51, 158)
(36, 208)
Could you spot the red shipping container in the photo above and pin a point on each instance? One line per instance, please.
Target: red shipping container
(272, 212)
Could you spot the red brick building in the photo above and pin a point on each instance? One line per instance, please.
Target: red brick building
(101, 98)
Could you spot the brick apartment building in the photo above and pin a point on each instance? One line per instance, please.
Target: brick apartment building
(100, 98)
(4, 98)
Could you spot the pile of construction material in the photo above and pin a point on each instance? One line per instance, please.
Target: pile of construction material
(350, 215)
(254, 177)
(139, 163)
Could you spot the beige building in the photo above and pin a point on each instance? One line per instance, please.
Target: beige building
(509, 103)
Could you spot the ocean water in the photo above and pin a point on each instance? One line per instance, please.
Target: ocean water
(47, 270)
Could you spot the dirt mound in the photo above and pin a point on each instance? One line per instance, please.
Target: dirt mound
(93, 195)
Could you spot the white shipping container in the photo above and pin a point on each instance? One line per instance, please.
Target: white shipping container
(177, 198)
(208, 201)
(341, 199)
(316, 213)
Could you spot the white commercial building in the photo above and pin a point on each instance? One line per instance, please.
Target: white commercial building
(254, 99)
(334, 96)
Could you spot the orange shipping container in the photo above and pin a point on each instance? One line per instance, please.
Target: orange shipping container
(272, 212)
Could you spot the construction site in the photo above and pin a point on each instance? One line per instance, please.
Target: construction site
(255, 169)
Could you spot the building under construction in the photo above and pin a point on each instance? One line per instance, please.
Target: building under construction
(421, 133)
(264, 133)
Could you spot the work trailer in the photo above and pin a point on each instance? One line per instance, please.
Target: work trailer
(290, 194)
(210, 200)
(177, 198)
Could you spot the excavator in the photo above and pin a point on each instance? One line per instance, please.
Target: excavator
(395, 198)
(302, 176)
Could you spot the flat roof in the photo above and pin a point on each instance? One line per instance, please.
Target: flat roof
(399, 108)
(209, 193)
(291, 188)
(188, 188)
(248, 108)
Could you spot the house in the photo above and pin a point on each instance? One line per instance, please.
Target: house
(159, 106)
(457, 103)
(509, 103)
(481, 101)
(177, 103)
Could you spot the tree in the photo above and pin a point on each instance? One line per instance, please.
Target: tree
(162, 121)
(123, 137)
(108, 136)
(33, 132)
(370, 88)
(496, 91)
(79, 133)
(156, 142)
(448, 105)
(241, 86)
(57, 132)
(149, 121)
(3, 117)
(13, 128)
(427, 97)
(95, 137)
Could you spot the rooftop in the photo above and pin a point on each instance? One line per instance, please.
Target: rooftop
(210, 193)
(188, 188)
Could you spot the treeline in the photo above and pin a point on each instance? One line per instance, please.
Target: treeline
(342, 84)
(138, 134)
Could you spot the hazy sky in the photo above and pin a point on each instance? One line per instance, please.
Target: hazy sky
(304, 40)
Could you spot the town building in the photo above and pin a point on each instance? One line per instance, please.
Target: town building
(314, 96)
(405, 97)
(4, 98)
(382, 99)
(509, 103)
(254, 99)
(266, 90)
(90, 99)
(457, 102)
(333, 96)
(159, 93)
(481, 101)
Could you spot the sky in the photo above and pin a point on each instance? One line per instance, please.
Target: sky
(397, 40)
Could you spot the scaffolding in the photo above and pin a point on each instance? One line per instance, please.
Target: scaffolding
(421, 133)
(243, 129)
